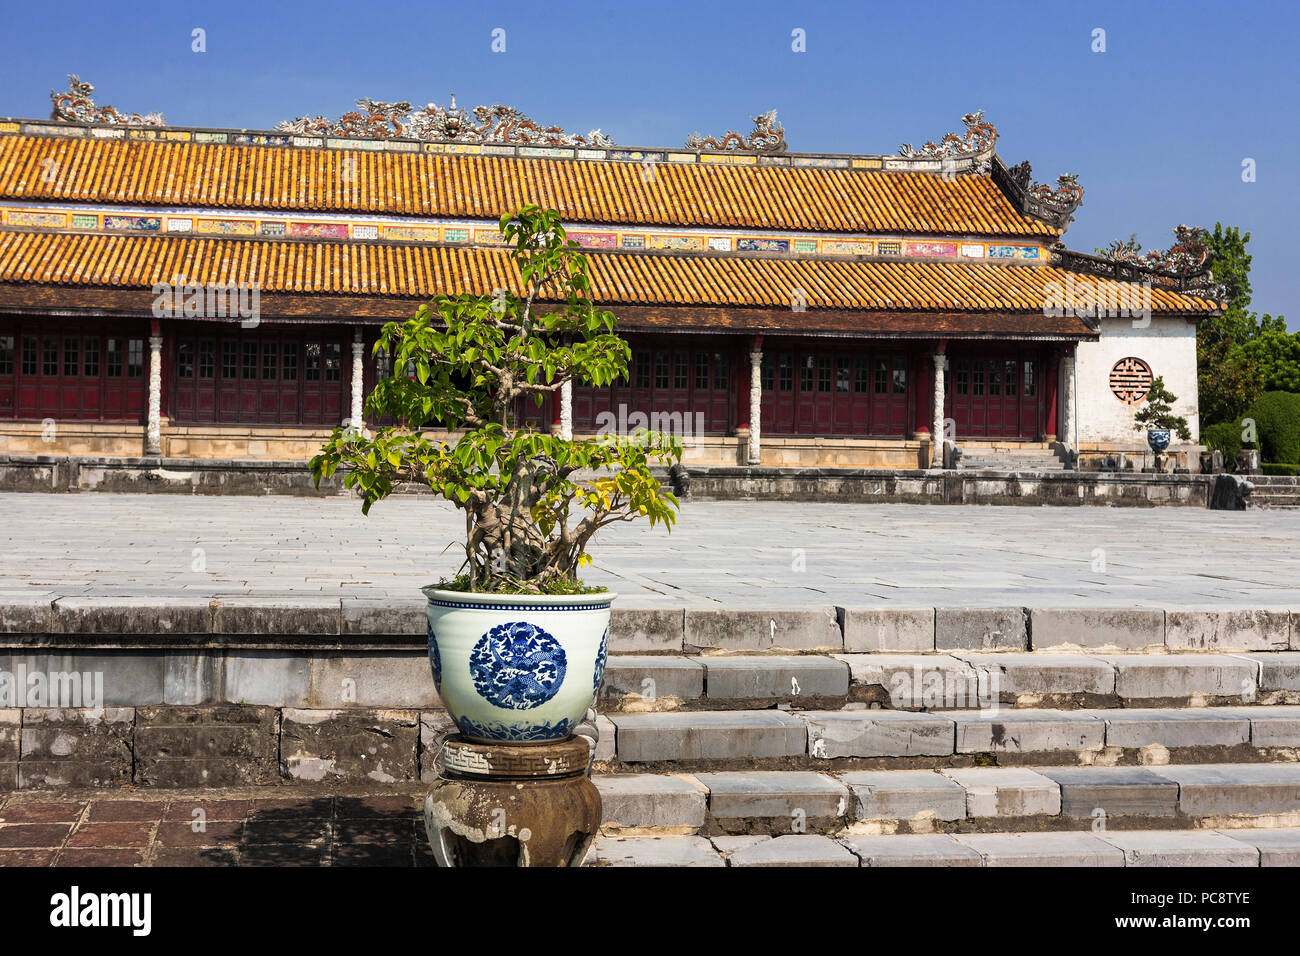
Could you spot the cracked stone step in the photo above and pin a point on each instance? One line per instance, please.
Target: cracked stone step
(1212, 790)
(913, 795)
(1041, 849)
(651, 800)
(774, 676)
(876, 733)
(783, 801)
(784, 798)
(1027, 731)
(1181, 848)
(652, 679)
(708, 735)
(1208, 677)
(654, 851)
(1157, 734)
(1007, 792)
(1105, 792)
(1136, 848)
(792, 850)
(967, 680)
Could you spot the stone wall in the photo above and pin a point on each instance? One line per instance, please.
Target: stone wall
(226, 477)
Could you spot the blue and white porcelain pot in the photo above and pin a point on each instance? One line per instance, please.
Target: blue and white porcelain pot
(1158, 438)
(519, 668)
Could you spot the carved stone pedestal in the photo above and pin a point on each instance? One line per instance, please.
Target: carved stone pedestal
(512, 804)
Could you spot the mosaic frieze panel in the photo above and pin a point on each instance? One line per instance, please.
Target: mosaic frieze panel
(679, 243)
(133, 223)
(762, 245)
(595, 240)
(1014, 252)
(226, 227)
(848, 247)
(600, 237)
(38, 219)
(930, 249)
(318, 230)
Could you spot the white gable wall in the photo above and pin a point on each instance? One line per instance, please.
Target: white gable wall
(1168, 345)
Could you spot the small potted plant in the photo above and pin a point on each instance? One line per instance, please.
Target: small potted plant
(517, 643)
(1157, 418)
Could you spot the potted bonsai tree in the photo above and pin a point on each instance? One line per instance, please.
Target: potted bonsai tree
(517, 643)
(1158, 419)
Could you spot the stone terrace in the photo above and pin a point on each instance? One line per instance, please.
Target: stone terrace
(728, 554)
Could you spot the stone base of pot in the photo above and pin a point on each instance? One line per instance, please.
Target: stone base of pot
(505, 804)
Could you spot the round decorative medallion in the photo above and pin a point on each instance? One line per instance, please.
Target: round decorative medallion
(517, 666)
(1130, 380)
(601, 653)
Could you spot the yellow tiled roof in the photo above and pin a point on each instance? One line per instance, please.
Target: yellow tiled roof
(421, 271)
(476, 186)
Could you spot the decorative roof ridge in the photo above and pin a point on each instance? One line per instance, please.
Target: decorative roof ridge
(383, 125)
(1184, 267)
(1056, 208)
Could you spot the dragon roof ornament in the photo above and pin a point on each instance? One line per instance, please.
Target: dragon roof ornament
(1188, 259)
(484, 124)
(1186, 266)
(979, 138)
(76, 106)
(1055, 206)
(767, 136)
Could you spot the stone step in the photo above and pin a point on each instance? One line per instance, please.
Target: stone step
(895, 739)
(954, 800)
(954, 681)
(1242, 848)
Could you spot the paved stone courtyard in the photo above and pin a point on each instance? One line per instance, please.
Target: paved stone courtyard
(756, 554)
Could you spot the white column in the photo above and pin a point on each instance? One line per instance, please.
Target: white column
(755, 405)
(936, 432)
(357, 412)
(1068, 407)
(566, 411)
(153, 432)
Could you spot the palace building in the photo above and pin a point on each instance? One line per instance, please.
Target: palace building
(216, 293)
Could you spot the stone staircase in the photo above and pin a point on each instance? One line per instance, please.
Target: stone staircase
(1275, 491)
(1127, 753)
(1015, 458)
(835, 735)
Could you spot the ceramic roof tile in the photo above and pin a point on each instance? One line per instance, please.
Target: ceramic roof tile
(459, 185)
(419, 271)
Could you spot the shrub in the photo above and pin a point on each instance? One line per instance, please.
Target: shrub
(1224, 437)
(1273, 468)
(1277, 421)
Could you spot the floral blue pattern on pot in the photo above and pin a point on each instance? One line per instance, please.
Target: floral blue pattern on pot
(599, 675)
(435, 659)
(494, 730)
(517, 666)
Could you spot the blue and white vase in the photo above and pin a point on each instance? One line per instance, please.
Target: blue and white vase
(1158, 438)
(517, 668)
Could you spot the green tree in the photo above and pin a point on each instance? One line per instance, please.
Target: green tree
(1275, 353)
(532, 501)
(1234, 351)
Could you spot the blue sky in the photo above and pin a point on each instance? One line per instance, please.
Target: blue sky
(1156, 127)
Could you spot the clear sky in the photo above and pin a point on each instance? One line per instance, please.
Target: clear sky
(1156, 127)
